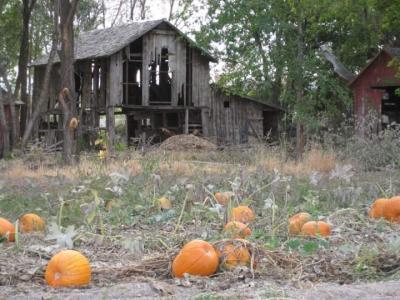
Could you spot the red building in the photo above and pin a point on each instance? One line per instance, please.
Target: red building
(374, 88)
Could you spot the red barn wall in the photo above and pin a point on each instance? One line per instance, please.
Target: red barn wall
(376, 74)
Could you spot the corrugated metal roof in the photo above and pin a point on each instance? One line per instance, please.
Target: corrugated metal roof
(105, 42)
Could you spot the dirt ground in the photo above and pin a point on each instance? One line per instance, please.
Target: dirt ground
(152, 289)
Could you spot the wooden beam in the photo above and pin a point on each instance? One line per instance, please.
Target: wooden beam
(186, 121)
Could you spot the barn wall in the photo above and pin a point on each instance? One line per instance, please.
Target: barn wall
(54, 86)
(234, 124)
(376, 74)
(115, 79)
(153, 42)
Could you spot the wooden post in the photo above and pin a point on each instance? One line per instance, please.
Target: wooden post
(110, 122)
(186, 120)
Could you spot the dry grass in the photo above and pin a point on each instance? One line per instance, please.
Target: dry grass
(175, 163)
(314, 159)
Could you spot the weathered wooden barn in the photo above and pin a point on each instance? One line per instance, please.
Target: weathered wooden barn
(159, 79)
(374, 88)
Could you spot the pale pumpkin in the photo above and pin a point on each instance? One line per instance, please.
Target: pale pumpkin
(313, 228)
(237, 229)
(223, 198)
(377, 208)
(235, 253)
(31, 222)
(7, 230)
(68, 268)
(297, 221)
(164, 203)
(73, 123)
(242, 214)
(197, 257)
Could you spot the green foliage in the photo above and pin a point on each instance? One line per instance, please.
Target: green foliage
(270, 50)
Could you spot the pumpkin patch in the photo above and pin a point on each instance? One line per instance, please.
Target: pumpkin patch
(237, 229)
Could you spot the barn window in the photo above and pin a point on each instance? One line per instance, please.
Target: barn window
(160, 78)
(226, 104)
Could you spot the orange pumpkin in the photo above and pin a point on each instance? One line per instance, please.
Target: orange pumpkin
(234, 254)
(297, 221)
(242, 214)
(237, 229)
(68, 268)
(31, 222)
(195, 258)
(7, 230)
(391, 210)
(377, 208)
(223, 198)
(313, 228)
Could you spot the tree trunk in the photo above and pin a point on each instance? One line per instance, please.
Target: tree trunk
(67, 12)
(23, 61)
(45, 86)
(11, 101)
(300, 137)
(5, 129)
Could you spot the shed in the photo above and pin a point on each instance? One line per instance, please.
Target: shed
(235, 118)
(157, 78)
(374, 88)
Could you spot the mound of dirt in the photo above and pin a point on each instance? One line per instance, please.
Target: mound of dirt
(186, 142)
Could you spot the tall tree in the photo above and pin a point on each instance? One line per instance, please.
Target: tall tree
(22, 78)
(67, 12)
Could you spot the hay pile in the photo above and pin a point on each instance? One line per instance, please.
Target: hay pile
(187, 142)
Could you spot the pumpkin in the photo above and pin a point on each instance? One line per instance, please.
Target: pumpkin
(68, 268)
(234, 254)
(195, 258)
(223, 198)
(7, 230)
(313, 228)
(391, 210)
(73, 123)
(164, 203)
(242, 214)
(237, 229)
(297, 221)
(31, 222)
(377, 208)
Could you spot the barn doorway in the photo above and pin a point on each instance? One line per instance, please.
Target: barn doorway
(390, 107)
(270, 124)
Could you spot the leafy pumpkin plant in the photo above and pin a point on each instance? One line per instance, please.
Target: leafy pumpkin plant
(68, 268)
(197, 257)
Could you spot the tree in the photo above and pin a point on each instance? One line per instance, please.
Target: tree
(22, 78)
(67, 12)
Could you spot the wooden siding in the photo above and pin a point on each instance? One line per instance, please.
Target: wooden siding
(115, 79)
(153, 43)
(234, 124)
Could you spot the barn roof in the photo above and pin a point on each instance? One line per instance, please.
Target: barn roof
(105, 42)
(392, 52)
